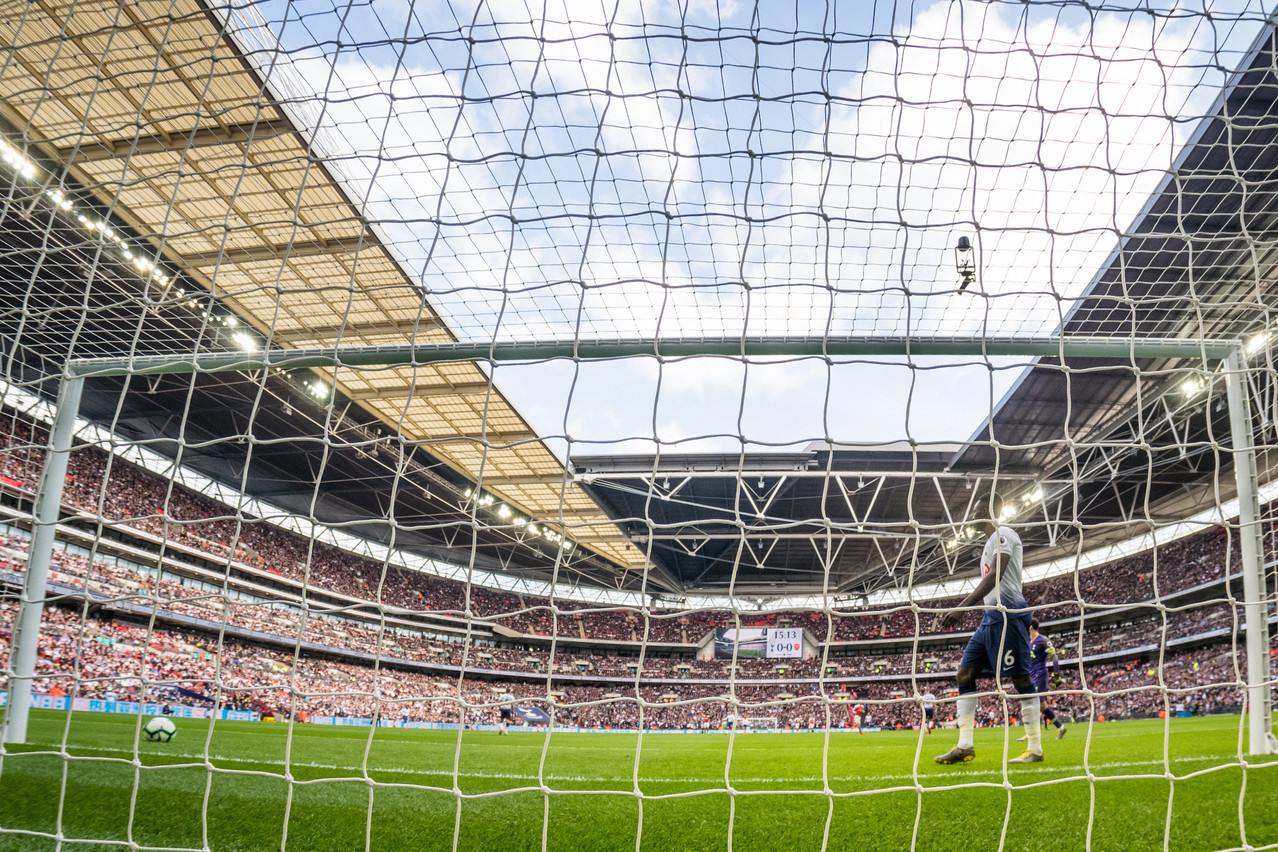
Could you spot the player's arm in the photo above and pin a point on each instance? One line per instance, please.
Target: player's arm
(988, 582)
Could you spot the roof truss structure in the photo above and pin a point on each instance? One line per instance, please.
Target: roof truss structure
(179, 138)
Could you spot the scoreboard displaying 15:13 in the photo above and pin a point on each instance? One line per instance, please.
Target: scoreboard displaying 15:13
(785, 641)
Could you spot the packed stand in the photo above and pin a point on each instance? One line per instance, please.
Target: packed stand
(95, 656)
(115, 586)
(143, 501)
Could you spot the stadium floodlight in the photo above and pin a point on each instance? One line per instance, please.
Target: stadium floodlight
(19, 163)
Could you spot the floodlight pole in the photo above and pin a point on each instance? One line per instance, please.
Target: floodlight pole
(44, 525)
(1259, 712)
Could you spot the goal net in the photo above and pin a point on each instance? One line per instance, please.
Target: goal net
(419, 420)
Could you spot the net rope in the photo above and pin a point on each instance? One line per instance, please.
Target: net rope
(402, 563)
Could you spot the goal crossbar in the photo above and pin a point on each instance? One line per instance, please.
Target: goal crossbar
(602, 350)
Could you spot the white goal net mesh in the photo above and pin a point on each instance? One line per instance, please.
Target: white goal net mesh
(736, 325)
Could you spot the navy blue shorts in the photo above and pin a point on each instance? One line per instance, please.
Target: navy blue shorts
(506, 712)
(992, 650)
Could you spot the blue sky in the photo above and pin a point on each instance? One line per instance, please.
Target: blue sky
(584, 170)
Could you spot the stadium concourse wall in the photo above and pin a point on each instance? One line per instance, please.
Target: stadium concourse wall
(134, 708)
(141, 559)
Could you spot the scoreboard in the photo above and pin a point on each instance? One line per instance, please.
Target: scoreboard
(785, 642)
(758, 642)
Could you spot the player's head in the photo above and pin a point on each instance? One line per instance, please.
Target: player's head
(992, 513)
(1034, 624)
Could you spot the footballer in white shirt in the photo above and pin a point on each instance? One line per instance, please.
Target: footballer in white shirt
(1000, 647)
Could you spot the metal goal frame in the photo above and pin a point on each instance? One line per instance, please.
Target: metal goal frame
(1229, 354)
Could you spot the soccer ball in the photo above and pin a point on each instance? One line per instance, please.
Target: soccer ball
(159, 730)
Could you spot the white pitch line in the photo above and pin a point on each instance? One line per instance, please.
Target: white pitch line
(1226, 761)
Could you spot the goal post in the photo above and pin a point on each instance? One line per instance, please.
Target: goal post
(44, 525)
(1229, 354)
(1260, 712)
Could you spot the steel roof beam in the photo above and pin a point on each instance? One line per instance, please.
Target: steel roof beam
(348, 330)
(493, 437)
(162, 143)
(766, 535)
(811, 473)
(419, 391)
(280, 253)
(497, 481)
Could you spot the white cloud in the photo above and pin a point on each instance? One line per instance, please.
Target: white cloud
(640, 213)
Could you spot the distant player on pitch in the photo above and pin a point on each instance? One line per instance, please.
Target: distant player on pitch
(1041, 650)
(857, 715)
(507, 711)
(1001, 645)
(929, 712)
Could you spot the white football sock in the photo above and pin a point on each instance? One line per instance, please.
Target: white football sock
(1033, 731)
(966, 720)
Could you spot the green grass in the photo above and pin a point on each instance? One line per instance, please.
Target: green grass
(341, 789)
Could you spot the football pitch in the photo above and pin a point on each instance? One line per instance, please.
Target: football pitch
(328, 788)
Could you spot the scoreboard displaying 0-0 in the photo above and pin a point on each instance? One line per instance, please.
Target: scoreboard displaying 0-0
(785, 642)
(758, 642)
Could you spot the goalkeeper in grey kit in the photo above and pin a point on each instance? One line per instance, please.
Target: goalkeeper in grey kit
(1040, 650)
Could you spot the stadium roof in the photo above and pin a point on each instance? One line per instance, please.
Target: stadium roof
(177, 138)
(172, 131)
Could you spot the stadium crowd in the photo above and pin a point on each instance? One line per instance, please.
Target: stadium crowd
(107, 649)
(116, 587)
(95, 656)
(135, 498)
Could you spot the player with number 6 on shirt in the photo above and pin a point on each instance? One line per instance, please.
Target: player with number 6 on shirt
(1000, 647)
